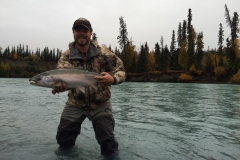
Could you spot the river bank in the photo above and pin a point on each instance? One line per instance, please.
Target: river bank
(173, 77)
(27, 69)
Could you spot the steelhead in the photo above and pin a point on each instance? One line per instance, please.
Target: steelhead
(73, 78)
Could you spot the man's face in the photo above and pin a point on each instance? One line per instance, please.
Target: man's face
(82, 36)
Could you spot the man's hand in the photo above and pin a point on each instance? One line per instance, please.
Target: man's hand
(60, 88)
(106, 78)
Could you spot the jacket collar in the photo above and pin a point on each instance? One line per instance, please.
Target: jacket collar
(76, 54)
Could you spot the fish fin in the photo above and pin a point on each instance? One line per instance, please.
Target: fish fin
(95, 86)
(81, 88)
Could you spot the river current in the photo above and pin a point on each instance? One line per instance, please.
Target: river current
(154, 121)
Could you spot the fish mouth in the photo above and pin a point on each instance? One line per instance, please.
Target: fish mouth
(32, 80)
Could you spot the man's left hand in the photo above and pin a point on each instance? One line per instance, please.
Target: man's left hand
(106, 78)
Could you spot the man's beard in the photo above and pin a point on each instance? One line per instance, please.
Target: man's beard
(83, 41)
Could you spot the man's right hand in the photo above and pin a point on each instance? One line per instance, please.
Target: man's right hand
(60, 88)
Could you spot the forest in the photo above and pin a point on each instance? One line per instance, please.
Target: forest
(185, 56)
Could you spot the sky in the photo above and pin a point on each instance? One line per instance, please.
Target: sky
(48, 23)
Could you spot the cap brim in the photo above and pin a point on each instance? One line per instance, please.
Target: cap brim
(79, 25)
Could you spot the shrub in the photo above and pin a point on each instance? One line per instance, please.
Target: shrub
(194, 71)
(236, 77)
(220, 72)
(185, 77)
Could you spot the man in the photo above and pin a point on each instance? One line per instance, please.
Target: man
(94, 104)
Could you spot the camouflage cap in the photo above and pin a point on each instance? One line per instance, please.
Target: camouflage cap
(82, 22)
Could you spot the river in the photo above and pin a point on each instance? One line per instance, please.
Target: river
(154, 121)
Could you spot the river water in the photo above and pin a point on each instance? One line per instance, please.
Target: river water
(154, 121)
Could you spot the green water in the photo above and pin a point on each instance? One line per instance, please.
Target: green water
(154, 121)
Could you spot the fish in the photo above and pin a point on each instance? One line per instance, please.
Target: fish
(73, 78)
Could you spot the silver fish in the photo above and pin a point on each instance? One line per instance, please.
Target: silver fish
(73, 78)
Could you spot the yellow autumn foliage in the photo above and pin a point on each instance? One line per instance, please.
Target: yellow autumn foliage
(151, 61)
(35, 58)
(193, 70)
(220, 71)
(183, 56)
(5, 66)
(236, 77)
(237, 47)
(185, 77)
(15, 56)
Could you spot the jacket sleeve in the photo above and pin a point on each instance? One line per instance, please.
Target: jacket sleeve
(119, 74)
(116, 66)
(63, 61)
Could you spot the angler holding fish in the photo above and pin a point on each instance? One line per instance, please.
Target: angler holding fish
(86, 70)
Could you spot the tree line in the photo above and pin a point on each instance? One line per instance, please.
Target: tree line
(23, 53)
(184, 54)
(186, 50)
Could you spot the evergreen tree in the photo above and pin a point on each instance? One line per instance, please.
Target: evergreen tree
(110, 49)
(173, 42)
(166, 57)
(173, 53)
(122, 38)
(179, 39)
(220, 36)
(27, 52)
(184, 31)
(117, 52)
(199, 50)
(161, 42)
(231, 44)
(220, 44)
(157, 56)
(235, 29)
(142, 65)
(54, 56)
(163, 56)
(190, 50)
(0, 52)
(227, 16)
(94, 36)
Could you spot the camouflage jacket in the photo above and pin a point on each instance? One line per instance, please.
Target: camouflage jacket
(99, 59)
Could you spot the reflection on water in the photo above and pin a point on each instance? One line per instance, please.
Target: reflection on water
(153, 121)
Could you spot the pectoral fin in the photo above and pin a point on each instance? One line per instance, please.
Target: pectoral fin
(95, 86)
(81, 88)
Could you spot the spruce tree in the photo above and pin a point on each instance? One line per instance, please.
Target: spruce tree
(142, 61)
(199, 50)
(94, 36)
(173, 53)
(190, 50)
(157, 55)
(184, 31)
(173, 42)
(122, 38)
(179, 39)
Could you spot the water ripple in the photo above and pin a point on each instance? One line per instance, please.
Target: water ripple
(153, 121)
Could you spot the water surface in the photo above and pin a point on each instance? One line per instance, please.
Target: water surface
(154, 121)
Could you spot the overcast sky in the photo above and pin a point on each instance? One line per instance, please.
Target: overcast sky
(48, 23)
